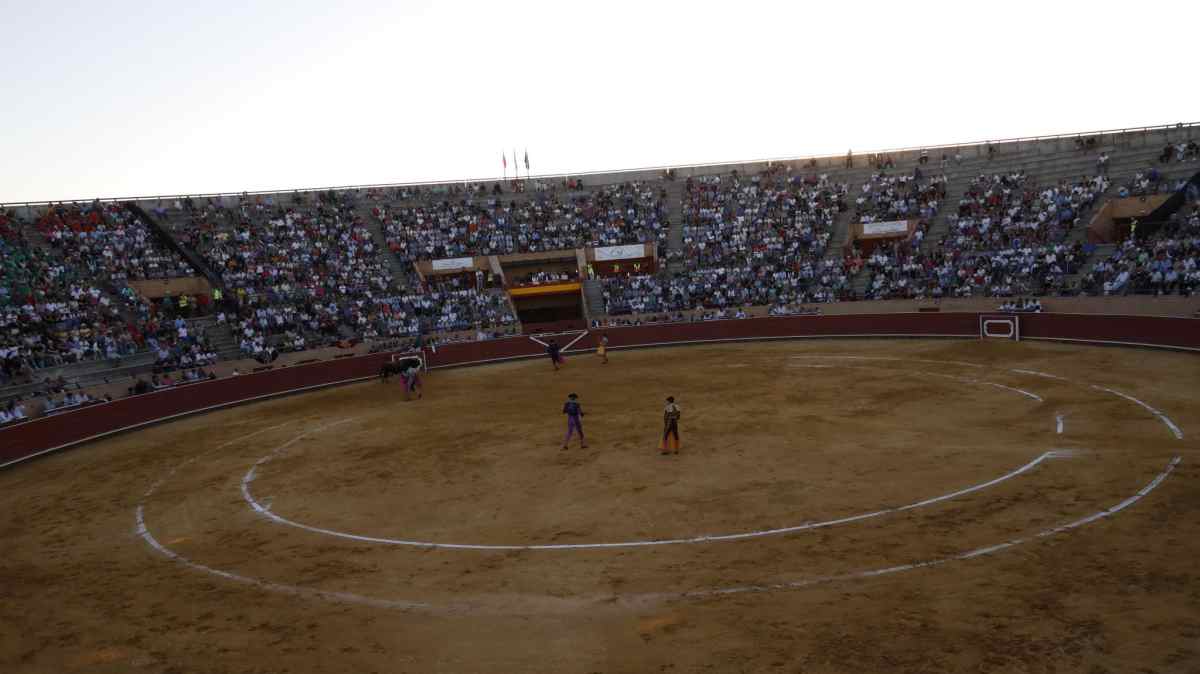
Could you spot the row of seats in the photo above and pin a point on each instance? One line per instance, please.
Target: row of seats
(1167, 262)
(65, 298)
(488, 225)
(309, 274)
(761, 239)
(305, 268)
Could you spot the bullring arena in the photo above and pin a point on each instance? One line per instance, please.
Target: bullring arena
(939, 409)
(839, 505)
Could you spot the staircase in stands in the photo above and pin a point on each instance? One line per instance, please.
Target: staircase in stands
(401, 272)
(674, 190)
(593, 294)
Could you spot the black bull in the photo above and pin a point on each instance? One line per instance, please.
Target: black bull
(397, 367)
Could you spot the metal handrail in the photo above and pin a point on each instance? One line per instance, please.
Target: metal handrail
(558, 176)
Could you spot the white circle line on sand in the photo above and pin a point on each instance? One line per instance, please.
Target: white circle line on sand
(1161, 417)
(265, 511)
(1175, 430)
(154, 487)
(969, 554)
(344, 597)
(351, 598)
(926, 373)
(891, 358)
(1015, 389)
(1039, 374)
(143, 532)
(283, 588)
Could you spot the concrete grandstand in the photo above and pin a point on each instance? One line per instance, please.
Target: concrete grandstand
(104, 294)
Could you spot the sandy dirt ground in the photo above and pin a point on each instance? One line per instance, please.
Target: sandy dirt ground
(775, 435)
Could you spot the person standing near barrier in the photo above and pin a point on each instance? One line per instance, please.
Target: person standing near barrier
(555, 352)
(670, 437)
(411, 375)
(574, 412)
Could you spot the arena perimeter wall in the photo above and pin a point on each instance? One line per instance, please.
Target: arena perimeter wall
(48, 434)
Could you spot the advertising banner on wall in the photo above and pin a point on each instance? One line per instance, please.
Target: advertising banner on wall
(885, 228)
(620, 252)
(451, 263)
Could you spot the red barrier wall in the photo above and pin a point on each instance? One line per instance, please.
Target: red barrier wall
(41, 434)
(47, 434)
(1180, 333)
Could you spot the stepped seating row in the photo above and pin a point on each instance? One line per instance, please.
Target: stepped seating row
(309, 274)
(486, 225)
(1167, 262)
(310, 268)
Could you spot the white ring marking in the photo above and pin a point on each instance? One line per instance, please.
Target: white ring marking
(265, 511)
(142, 531)
(970, 554)
(1178, 433)
(346, 597)
(1017, 390)
(952, 377)
(1040, 374)
(1162, 417)
(903, 360)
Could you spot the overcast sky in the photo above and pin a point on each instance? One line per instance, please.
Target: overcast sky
(108, 99)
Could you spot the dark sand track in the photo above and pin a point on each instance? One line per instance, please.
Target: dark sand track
(774, 435)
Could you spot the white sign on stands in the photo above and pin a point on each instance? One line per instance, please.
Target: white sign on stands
(453, 263)
(620, 252)
(885, 227)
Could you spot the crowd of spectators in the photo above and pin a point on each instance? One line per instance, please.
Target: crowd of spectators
(1001, 210)
(302, 272)
(1022, 305)
(793, 310)
(761, 239)
(109, 242)
(483, 224)
(542, 277)
(177, 346)
(643, 294)
(50, 312)
(1144, 183)
(305, 270)
(1180, 152)
(902, 271)
(12, 412)
(70, 400)
(1167, 262)
(1007, 238)
(443, 309)
(900, 197)
(64, 296)
(696, 316)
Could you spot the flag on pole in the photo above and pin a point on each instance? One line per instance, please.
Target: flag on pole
(504, 160)
(516, 165)
(527, 160)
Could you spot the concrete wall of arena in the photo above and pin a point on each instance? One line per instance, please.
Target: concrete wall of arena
(47, 434)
